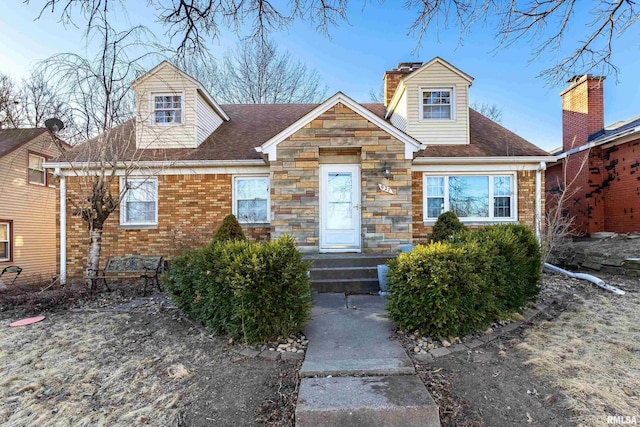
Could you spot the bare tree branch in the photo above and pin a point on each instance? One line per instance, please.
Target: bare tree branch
(257, 74)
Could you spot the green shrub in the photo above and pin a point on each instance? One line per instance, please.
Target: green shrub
(230, 229)
(446, 226)
(439, 290)
(516, 264)
(464, 284)
(250, 291)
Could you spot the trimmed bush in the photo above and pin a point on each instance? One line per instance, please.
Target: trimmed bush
(446, 226)
(439, 290)
(464, 284)
(230, 229)
(250, 291)
(516, 264)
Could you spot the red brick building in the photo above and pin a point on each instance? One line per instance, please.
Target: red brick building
(598, 165)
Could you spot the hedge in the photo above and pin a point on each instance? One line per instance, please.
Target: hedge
(466, 283)
(250, 291)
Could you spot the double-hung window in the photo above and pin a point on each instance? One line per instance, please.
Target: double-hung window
(37, 173)
(470, 197)
(167, 109)
(251, 199)
(5, 240)
(139, 204)
(436, 104)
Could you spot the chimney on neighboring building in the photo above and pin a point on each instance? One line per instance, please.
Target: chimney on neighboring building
(392, 78)
(582, 110)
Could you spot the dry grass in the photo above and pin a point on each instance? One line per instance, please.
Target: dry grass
(80, 370)
(593, 356)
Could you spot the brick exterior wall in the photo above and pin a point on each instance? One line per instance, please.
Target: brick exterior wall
(391, 81)
(190, 209)
(582, 111)
(607, 189)
(295, 181)
(526, 203)
(604, 180)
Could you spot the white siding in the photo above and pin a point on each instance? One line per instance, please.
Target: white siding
(438, 131)
(166, 80)
(399, 116)
(207, 119)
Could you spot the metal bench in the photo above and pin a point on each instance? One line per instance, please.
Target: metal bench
(12, 269)
(141, 267)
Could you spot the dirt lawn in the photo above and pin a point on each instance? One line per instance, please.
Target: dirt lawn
(144, 365)
(576, 365)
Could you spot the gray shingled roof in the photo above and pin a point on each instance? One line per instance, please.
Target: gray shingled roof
(615, 129)
(11, 139)
(253, 124)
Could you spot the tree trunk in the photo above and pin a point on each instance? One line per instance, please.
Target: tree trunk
(93, 256)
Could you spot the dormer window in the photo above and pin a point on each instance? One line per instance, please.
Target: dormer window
(167, 109)
(437, 104)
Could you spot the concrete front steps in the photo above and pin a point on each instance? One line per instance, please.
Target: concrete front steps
(346, 273)
(354, 374)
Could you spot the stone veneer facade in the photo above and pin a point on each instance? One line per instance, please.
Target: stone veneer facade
(190, 209)
(295, 181)
(526, 203)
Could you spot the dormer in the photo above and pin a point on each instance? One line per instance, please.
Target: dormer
(429, 101)
(174, 110)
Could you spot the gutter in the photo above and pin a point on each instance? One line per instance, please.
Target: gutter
(538, 215)
(63, 226)
(598, 142)
(481, 160)
(158, 164)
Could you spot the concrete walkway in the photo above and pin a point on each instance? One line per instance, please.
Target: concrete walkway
(354, 374)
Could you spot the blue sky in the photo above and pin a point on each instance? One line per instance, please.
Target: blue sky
(356, 55)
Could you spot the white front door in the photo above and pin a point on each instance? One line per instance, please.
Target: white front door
(340, 208)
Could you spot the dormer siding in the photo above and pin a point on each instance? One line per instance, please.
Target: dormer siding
(195, 118)
(437, 131)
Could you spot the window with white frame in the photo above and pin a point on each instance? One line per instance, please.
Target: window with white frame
(251, 199)
(5, 240)
(436, 104)
(139, 205)
(36, 172)
(167, 109)
(470, 197)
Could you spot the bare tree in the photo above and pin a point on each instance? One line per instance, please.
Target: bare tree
(491, 111)
(9, 102)
(558, 222)
(543, 24)
(376, 96)
(39, 100)
(100, 96)
(258, 74)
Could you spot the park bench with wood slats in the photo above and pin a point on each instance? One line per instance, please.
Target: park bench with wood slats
(141, 267)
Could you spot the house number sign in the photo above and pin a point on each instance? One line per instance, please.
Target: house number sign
(385, 188)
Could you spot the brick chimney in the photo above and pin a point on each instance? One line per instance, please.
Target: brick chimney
(392, 78)
(582, 110)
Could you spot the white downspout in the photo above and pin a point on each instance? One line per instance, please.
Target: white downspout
(538, 215)
(63, 228)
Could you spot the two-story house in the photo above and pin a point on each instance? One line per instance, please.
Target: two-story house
(28, 206)
(339, 176)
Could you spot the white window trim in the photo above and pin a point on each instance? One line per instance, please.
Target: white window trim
(234, 208)
(8, 241)
(123, 201)
(44, 170)
(152, 106)
(473, 220)
(423, 89)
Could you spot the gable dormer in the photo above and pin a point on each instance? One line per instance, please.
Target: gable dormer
(173, 110)
(430, 101)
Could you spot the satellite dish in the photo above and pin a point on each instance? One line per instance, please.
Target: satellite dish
(54, 125)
